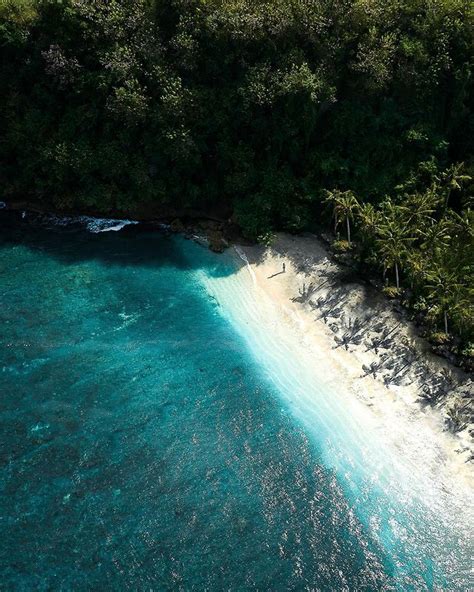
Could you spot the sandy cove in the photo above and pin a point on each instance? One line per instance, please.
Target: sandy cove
(371, 348)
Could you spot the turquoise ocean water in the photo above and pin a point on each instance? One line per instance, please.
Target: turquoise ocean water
(153, 439)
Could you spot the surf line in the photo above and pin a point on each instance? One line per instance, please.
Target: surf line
(244, 258)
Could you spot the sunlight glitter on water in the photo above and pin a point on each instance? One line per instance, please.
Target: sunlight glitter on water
(398, 497)
(160, 432)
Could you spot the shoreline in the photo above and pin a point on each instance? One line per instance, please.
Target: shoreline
(394, 479)
(218, 234)
(314, 300)
(339, 320)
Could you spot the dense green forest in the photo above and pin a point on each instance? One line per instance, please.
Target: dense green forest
(281, 113)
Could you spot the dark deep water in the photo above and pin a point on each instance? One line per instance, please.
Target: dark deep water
(142, 446)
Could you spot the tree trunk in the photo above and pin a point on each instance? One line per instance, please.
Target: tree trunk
(348, 225)
(446, 322)
(446, 200)
(396, 276)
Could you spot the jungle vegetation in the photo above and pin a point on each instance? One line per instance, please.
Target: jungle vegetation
(284, 114)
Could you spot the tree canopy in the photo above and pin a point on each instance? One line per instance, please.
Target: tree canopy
(251, 109)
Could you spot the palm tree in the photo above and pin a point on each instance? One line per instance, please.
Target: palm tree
(418, 209)
(463, 224)
(345, 204)
(369, 219)
(417, 265)
(436, 237)
(393, 240)
(446, 292)
(453, 179)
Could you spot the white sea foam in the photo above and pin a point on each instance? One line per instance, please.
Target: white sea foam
(244, 258)
(96, 225)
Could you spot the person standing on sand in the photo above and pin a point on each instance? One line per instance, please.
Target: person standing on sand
(284, 268)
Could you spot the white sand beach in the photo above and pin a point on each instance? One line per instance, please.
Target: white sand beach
(339, 326)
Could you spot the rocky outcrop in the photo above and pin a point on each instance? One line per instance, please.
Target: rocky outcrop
(217, 242)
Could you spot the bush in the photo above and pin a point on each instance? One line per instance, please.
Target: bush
(439, 338)
(341, 246)
(468, 350)
(391, 291)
